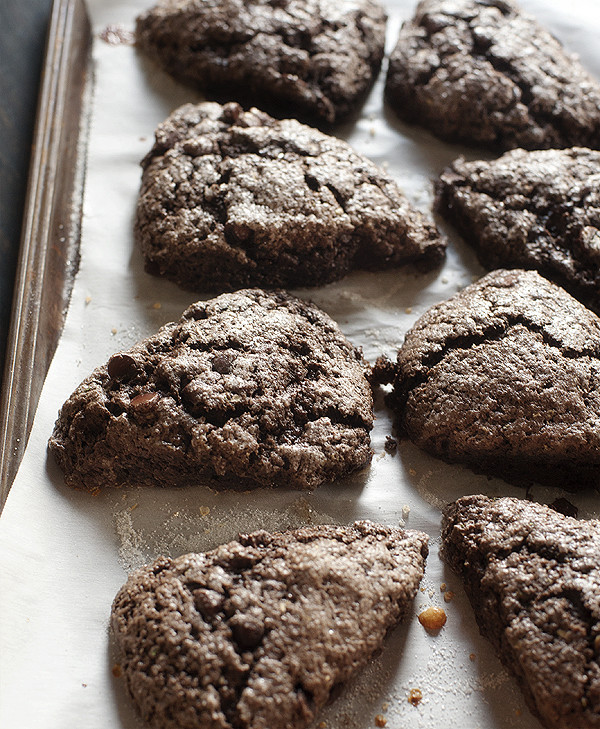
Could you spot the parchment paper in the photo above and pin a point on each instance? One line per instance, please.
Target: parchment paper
(64, 554)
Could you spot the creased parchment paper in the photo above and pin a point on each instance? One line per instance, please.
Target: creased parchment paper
(64, 554)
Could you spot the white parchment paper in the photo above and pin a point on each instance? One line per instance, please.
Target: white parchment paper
(64, 554)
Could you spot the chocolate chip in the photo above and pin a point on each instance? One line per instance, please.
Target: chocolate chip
(247, 630)
(145, 398)
(121, 365)
(222, 364)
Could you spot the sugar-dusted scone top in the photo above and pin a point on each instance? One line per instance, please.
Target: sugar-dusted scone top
(486, 73)
(233, 198)
(250, 388)
(503, 376)
(313, 59)
(533, 578)
(535, 209)
(257, 633)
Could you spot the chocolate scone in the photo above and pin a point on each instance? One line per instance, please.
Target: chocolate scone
(257, 633)
(484, 72)
(313, 59)
(504, 377)
(234, 198)
(538, 209)
(533, 578)
(250, 388)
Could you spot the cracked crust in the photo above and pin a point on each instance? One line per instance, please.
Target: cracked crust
(313, 59)
(248, 389)
(538, 210)
(504, 377)
(257, 633)
(533, 579)
(484, 72)
(234, 198)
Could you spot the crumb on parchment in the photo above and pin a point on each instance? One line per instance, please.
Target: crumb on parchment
(415, 696)
(432, 618)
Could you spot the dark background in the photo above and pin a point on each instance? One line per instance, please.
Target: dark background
(23, 26)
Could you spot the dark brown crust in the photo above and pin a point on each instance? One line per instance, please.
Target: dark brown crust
(504, 377)
(533, 578)
(257, 633)
(484, 72)
(538, 210)
(311, 59)
(246, 389)
(232, 199)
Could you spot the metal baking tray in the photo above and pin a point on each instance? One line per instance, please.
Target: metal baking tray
(49, 250)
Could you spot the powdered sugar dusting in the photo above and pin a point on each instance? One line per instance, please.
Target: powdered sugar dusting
(152, 530)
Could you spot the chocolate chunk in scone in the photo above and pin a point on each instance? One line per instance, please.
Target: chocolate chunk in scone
(485, 73)
(311, 59)
(533, 578)
(257, 633)
(234, 198)
(538, 209)
(504, 377)
(250, 388)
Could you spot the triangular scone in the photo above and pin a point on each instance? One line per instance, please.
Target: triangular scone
(504, 376)
(250, 388)
(257, 633)
(533, 578)
(538, 209)
(312, 59)
(233, 198)
(484, 72)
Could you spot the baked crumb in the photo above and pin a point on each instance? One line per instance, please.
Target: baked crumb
(414, 697)
(391, 444)
(472, 656)
(380, 720)
(117, 35)
(117, 672)
(432, 618)
(443, 587)
(448, 596)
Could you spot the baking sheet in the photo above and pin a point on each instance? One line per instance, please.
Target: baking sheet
(65, 553)
(48, 255)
